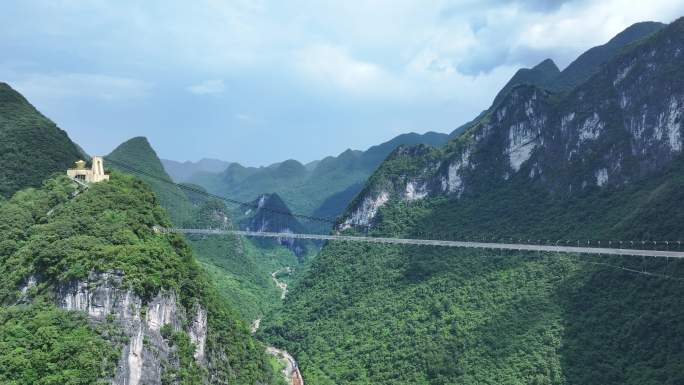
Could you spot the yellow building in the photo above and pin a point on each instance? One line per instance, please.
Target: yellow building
(95, 174)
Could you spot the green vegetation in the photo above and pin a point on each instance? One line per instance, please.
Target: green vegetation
(242, 271)
(378, 314)
(138, 153)
(325, 189)
(188, 372)
(31, 146)
(43, 345)
(278, 366)
(239, 268)
(58, 237)
(371, 314)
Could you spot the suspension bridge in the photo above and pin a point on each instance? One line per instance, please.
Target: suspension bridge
(562, 247)
(434, 242)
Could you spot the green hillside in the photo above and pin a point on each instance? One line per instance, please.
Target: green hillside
(416, 315)
(537, 168)
(32, 147)
(57, 237)
(239, 267)
(324, 189)
(138, 153)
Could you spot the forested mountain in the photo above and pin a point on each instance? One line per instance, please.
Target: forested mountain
(546, 75)
(270, 214)
(240, 267)
(322, 187)
(602, 161)
(542, 75)
(138, 154)
(182, 171)
(591, 61)
(32, 147)
(91, 294)
(325, 188)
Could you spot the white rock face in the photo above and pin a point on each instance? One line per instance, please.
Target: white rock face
(601, 177)
(591, 128)
(365, 213)
(104, 298)
(30, 282)
(624, 100)
(162, 311)
(669, 125)
(198, 333)
(521, 142)
(415, 190)
(135, 358)
(453, 182)
(92, 299)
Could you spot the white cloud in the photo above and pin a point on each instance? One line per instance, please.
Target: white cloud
(213, 86)
(331, 66)
(307, 67)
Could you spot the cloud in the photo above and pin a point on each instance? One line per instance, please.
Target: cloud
(214, 86)
(523, 34)
(333, 67)
(72, 85)
(330, 73)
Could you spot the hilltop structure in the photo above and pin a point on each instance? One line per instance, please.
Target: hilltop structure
(95, 174)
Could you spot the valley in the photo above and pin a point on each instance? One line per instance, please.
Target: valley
(538, 243)
(291, 369)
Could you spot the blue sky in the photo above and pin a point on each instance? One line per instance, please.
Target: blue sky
(263, 81)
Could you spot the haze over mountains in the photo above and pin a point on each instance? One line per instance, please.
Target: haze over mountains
(321, 188)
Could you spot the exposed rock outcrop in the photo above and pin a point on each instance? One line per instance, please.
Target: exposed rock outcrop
(146, 354)
(622, 124)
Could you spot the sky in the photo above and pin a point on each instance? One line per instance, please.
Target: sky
(263, 81)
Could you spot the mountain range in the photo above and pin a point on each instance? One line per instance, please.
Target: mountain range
(183, 171)
(91, 293)
(600, 161)
(325, 187)
(92, 290)
(320, 188)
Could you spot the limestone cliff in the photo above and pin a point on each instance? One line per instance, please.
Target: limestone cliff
(147, 354)
(621, 125)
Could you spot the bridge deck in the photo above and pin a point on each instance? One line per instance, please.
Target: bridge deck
(433, 242)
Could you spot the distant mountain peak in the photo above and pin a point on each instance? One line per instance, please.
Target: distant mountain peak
(270, 213)
(546, 65)
(541, 75)
(139, 154)
(591, 61)
(184, 171)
